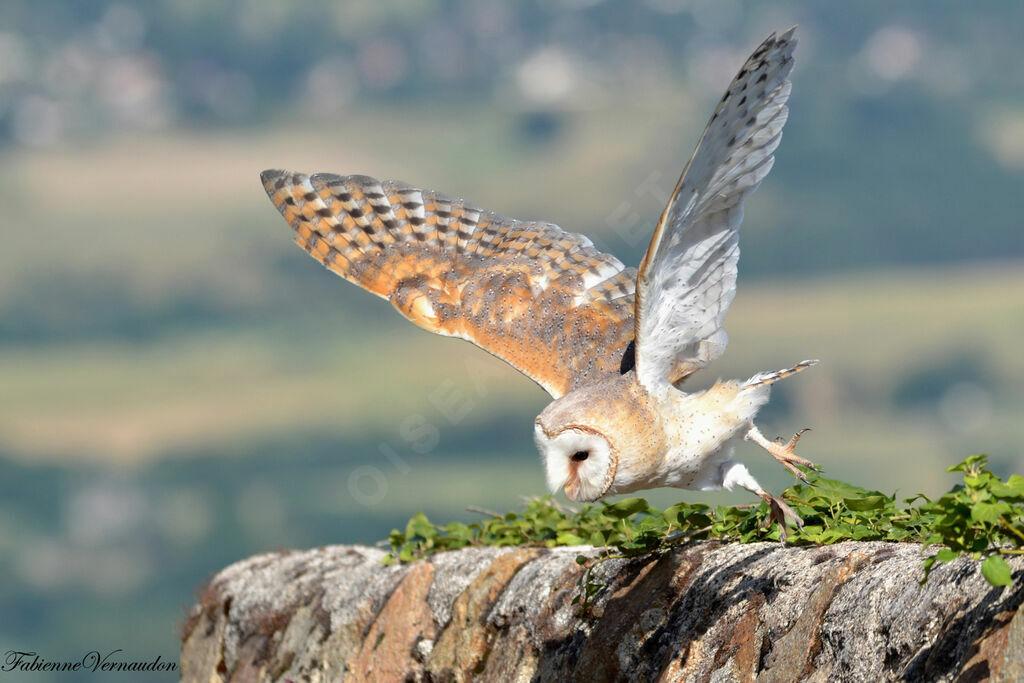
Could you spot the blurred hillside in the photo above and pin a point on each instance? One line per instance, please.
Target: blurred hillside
(930, 99)
(181, 387)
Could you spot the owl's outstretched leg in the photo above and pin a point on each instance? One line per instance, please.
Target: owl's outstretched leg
(736, 474)
(784, 453)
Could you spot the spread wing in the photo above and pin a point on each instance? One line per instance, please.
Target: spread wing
(688, 276)
(542, 299)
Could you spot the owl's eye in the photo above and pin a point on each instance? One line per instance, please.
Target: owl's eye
(580, 456)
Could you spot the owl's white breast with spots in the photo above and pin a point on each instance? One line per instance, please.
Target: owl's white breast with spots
(699, 426)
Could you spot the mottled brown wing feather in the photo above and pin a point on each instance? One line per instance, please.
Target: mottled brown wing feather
(542, 299)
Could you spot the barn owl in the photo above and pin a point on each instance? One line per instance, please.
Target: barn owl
(612, 345)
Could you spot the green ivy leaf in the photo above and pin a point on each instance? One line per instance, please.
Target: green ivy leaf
(974, 461)
(565, 538)
(626, 507)
(867, 503)
(420, 526)
(989, 512)
(995, 569)
(1008, 491)
(862, 533)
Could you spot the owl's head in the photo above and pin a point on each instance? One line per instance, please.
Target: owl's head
(598, 440)
(578, 459)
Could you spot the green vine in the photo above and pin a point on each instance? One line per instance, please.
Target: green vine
(982, 517)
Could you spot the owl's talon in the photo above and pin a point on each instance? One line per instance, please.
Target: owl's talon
(779, 513)
(785, 453)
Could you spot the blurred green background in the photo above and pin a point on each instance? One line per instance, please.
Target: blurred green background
(180, 387)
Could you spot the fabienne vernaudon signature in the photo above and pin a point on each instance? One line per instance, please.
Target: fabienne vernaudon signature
(94, 661)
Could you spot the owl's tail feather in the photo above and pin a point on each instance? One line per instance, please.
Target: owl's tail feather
(771, 377)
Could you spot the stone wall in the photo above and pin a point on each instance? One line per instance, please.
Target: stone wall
(704, 612)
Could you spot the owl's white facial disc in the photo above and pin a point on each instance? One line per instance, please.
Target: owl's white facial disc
(581, 462)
